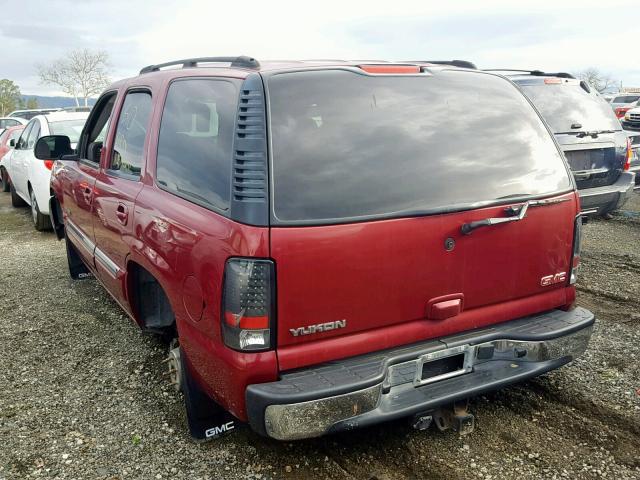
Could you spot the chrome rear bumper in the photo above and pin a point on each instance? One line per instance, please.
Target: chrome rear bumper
(388, 385)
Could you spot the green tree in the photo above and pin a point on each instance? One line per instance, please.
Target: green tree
(32, 103)
(9, 96)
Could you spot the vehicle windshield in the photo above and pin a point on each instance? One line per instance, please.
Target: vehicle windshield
(70, 128)
(350, 146)
(626, 99)
(565, 104)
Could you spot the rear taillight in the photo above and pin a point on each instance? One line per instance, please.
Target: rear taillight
(49, 164)
(575, 260)
(248, 298)
(620, 111)
(629, 156)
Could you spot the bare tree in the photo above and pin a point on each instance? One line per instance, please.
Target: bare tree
(81, 74)
(596, 79)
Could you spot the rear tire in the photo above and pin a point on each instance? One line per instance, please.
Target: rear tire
(16, 200)
(4, 180)
(40, 221)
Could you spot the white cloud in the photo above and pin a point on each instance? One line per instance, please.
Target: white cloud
(542, 34)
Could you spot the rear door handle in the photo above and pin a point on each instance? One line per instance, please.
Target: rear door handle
(122, 213)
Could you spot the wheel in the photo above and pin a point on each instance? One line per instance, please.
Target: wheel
(16, 200)
(4, 180)
(40, 221)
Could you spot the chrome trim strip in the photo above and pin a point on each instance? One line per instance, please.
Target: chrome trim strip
(88, 244)
(588, 211)
(107, 263)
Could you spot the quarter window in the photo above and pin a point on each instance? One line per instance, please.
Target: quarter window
(196, 137)
(131, 132)
(33, 135)
(95, 130)
(22, 142)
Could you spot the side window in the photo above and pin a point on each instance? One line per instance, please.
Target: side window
(95, 130)
(21, 144)
(195, 143)
(131, 132)
(15, 135)
(33, 135)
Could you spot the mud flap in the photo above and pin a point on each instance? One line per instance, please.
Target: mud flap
(77, 269)
(207, 420)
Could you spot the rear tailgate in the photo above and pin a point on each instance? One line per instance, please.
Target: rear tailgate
(373, 177)
(378, 274)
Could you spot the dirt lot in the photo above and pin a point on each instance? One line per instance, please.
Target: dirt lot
(82, 393)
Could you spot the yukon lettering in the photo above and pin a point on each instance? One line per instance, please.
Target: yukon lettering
(320, 327)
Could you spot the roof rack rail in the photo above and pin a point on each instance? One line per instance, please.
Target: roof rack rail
(537, 73)
(453, 63)
(236, 62)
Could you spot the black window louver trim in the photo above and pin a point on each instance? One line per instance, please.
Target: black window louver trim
(249, 199)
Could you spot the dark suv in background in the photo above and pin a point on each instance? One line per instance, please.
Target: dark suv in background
(597, 149)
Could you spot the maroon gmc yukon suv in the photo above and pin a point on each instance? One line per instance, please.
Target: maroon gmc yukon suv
(327, 245)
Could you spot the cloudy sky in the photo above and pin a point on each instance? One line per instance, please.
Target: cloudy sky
(549, 35)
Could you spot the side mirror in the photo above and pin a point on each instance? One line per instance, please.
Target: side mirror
(52, 147)
(94, 151)
(12, 143)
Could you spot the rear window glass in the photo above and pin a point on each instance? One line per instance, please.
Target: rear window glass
(565, 104)
(70, 128)
(348, 146)
(195, 145)
(626, 99)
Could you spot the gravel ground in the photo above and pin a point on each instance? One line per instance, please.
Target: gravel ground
(82, 394)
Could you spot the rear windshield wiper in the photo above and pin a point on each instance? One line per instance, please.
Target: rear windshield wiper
(586, 133)
(467, 228)
(515, 212)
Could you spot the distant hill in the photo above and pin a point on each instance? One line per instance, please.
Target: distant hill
(55, 102)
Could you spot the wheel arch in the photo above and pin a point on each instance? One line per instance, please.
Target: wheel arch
(149, 299)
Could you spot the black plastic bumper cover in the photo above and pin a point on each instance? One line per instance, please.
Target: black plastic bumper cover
(609, 197)
(380, 374)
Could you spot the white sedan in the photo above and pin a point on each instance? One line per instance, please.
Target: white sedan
(29, 176)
